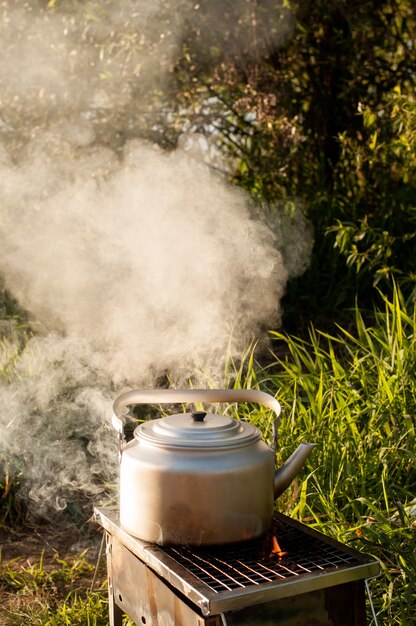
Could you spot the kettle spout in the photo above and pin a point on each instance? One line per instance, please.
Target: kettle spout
(285, 474)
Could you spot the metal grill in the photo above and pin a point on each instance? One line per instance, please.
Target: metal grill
(243, 565)
(230, 577)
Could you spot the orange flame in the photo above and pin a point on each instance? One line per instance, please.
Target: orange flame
(276, 548)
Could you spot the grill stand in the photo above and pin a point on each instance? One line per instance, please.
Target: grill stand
(134, 590)
(146, 585)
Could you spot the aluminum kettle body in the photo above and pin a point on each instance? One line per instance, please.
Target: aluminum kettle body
(206, 492)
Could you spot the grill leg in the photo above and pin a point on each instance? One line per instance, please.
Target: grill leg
(116, 614)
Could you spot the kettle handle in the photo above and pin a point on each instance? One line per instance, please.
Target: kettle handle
(169, 396)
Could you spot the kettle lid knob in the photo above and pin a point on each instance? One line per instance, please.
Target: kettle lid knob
(198, 416)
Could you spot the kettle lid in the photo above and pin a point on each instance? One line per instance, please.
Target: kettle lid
(197, 430)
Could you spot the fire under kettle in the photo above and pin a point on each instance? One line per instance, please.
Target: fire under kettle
(199, 478)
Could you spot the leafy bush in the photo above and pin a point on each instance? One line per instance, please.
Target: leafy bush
(376, 228)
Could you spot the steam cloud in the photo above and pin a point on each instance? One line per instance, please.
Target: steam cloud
(130, 261)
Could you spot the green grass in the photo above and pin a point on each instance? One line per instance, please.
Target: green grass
(54, 595)
(354, 394)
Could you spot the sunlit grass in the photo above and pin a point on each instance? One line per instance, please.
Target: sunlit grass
(354, 394)
(53, 595)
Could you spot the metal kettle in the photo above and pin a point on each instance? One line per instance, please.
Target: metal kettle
(199, 478)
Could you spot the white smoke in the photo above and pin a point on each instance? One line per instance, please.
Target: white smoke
(154, 263)
(130, 262)
(54, 422)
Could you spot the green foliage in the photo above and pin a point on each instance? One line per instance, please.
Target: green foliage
(362, 387)
(375, 184)
(354, 394)
(324, 115)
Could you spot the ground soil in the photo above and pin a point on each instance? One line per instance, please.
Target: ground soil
(31, 542)
(27, 546)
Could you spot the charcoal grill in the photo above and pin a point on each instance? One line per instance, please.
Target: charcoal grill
(308, 580)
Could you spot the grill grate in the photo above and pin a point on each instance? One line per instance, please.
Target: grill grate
(226, 568)
(226, 578)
